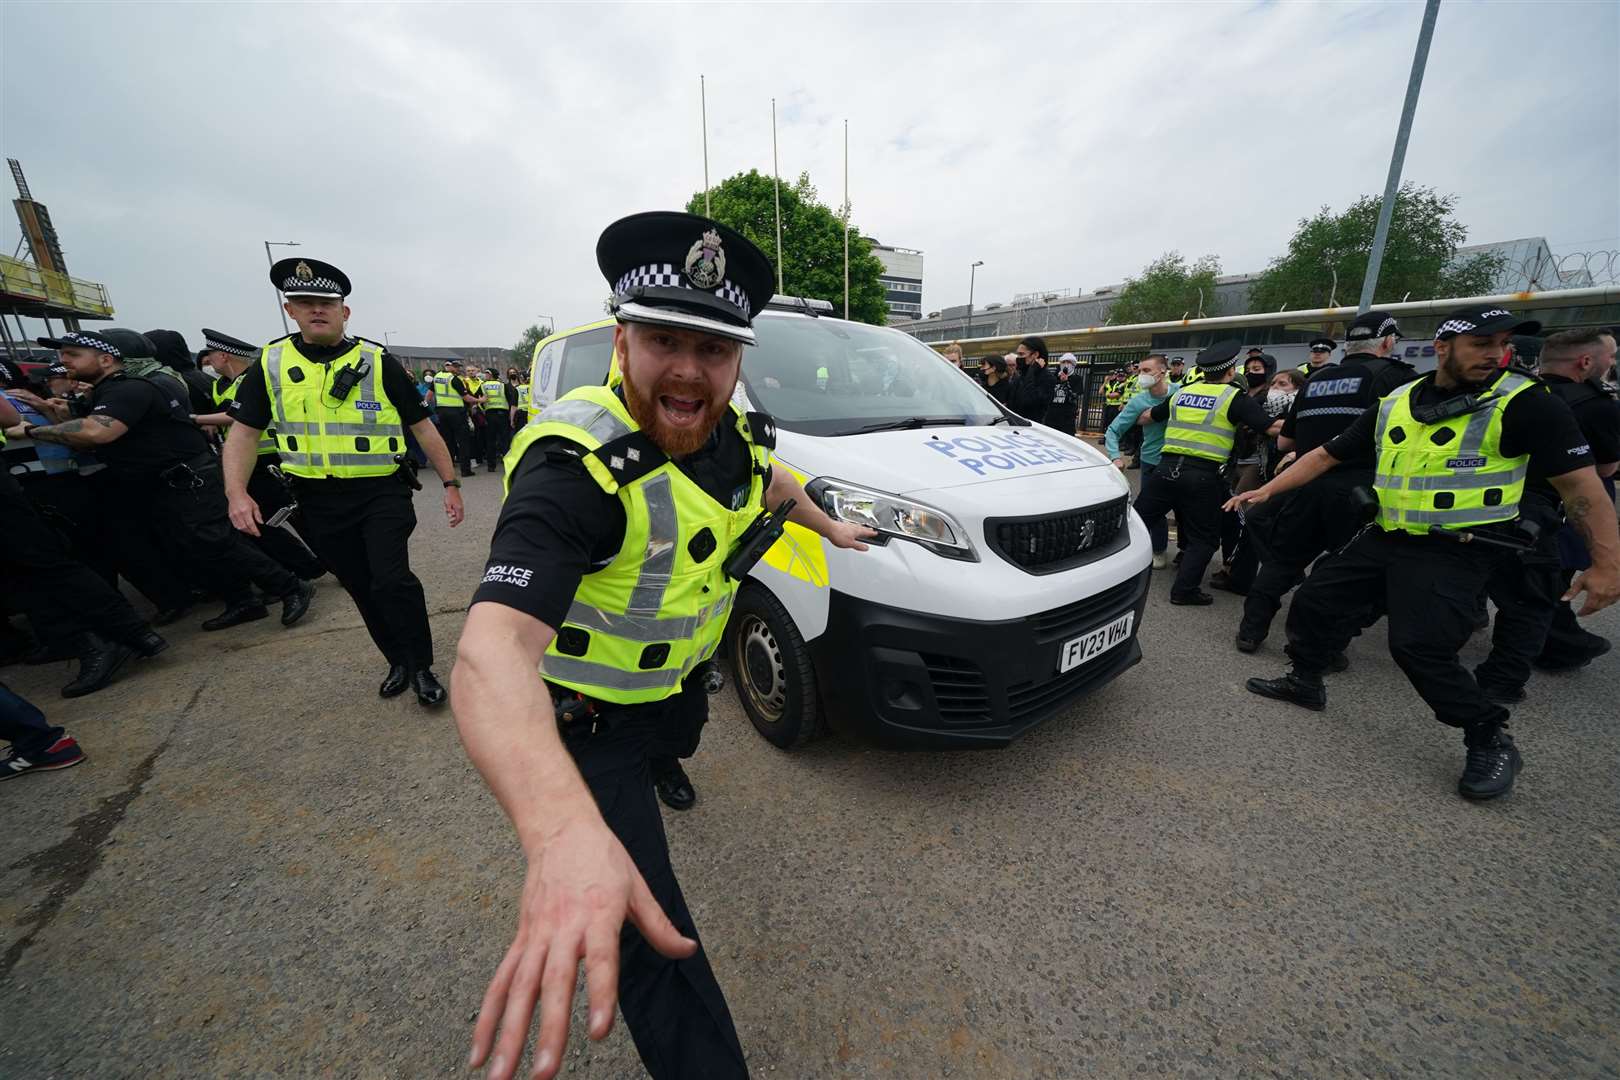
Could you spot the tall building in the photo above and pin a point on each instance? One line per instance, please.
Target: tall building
(902, 280)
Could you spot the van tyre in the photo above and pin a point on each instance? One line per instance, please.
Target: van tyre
(776, 680)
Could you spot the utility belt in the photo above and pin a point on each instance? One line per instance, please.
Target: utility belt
(188, 474)
(405, 474)
(1172, 463)
(581, 714)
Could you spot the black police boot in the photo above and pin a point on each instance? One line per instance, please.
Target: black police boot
(674, 787)
(428, 689)
(98, 663)
(147, 644)
(1493, 762)
(1247, 641)
(1303, 690)
(1196, 598)
(1222, 579)
(1338, 662)
(235, 615)
(399, 677)
(295, 605)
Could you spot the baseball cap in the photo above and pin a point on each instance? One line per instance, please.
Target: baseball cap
(123, 344)
(1372, 324)
(1484, 320)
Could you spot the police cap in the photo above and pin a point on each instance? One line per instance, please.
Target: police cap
(1370, 325)
(214, 341)
(116, 342)
(58, 370)
(1220, 356)
(309, 277)
(1323, 344)
(1484, 320)
(686, 271)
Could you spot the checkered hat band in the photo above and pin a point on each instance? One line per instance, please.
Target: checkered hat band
(211, 345)
(668, 275)
(1361, 333)
(1457, 326)
(321, 284)
(91, 341)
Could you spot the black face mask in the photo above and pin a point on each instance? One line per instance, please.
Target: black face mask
(1255, 378)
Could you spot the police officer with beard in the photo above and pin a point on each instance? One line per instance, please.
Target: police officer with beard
(608, 584)
(1290, 533)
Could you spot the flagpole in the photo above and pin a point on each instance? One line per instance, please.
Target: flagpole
(703, 96)
(776, 174)
(846, 218)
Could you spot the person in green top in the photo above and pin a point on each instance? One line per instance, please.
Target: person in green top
(1152, 388)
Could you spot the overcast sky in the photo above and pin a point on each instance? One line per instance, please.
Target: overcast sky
(458, 161)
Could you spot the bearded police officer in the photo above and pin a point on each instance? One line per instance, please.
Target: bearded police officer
(1201, 421)
(339, 407)
(631, 513)
(1291, 532)
(230, 357)
(1451, 452)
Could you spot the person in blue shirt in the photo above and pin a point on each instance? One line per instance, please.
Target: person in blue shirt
(1152, 388)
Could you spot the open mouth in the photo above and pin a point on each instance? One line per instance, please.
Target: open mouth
(681, 411)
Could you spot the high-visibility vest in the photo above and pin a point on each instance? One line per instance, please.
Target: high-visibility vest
(495, 392)
(444, 395)
(1198, 426)
(637, 626)
(523, 396)
(319, 437)
(1113, 391)
(1451, 472)
(267, 437)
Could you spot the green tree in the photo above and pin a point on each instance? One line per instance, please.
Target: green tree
(1168, 289)
(812, 241)
(1419, 257)
(523, 351)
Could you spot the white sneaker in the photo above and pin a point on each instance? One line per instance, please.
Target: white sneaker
(1160, 560)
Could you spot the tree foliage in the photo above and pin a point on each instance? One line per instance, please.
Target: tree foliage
(1168, 288)
(1419, 256)
(812, 241)
(523, 351)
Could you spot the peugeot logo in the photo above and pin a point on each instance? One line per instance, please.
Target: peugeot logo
(1088, 532)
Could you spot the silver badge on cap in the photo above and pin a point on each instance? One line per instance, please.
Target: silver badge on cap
(302, 271)
(706, 262)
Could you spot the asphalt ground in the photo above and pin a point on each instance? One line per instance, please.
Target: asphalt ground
(265, 870)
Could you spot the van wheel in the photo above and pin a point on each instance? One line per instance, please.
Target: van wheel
(775, 678)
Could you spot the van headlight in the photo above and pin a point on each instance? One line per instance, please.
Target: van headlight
(893, 516)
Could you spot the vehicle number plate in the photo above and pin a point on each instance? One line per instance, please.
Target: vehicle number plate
(1095, 642)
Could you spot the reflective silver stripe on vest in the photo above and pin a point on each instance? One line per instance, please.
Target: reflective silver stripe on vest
(630, 627)
(592, 418)
(272, 378)
(1212, 420)
(360, 459)
(1182, 444)
(658, 562)
(1468, 481)
(296, 427)
(368, 390)
(1469, 516)
(574, 670)
(297, 457)
(1385, 410)
(372, 429)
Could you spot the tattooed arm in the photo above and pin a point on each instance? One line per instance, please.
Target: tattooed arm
(85, 434)
(1591, 514)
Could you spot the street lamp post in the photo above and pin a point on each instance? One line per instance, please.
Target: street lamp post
(271, 259)
(972, 271)
(386, 343)
(550, 324)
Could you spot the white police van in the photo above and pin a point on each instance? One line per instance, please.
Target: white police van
(1010, 575)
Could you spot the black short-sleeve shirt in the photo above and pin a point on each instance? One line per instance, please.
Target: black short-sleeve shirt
(1599, 419)
(558, 525)
(160, 432)
(1535, 423)
(252, 404)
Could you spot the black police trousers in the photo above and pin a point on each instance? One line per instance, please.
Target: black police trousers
(1195, 490)
(457, 437)
(1428, 587)
(143, 552)
(1289, 533)
(191, 514)
(361, 529)
(61, 597)
(272, 495)
(675, 1009)
(497, 437)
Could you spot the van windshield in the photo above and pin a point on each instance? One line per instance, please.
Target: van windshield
(825, 377)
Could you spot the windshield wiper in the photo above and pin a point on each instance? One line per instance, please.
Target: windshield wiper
(910, 423)
(1010, 421)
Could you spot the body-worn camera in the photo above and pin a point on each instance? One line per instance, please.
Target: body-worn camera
(344, 382)
(757, 539)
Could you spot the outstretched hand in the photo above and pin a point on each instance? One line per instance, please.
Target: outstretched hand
(1246, 499)
(579, 892)
(1601, 585)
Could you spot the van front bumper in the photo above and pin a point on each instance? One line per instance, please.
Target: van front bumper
(912, 680)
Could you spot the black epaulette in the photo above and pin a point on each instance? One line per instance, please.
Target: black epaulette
(761, 429)
(272, 341)
(630, 457)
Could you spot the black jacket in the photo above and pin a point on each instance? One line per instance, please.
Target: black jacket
(1032, 392)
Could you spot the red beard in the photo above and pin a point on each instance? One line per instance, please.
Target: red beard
(677, 442)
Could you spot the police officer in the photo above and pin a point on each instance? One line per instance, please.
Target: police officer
(1451, 451)
(1291, 532)
(498, 401)
(451, 401)
(339, 407)
(230, 357)
(143, 432)
(1321, 354)
(1115, 389)
(1533, 626)
(1178, 371)
(1201, 422)
(605, 587)
(519, 398)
